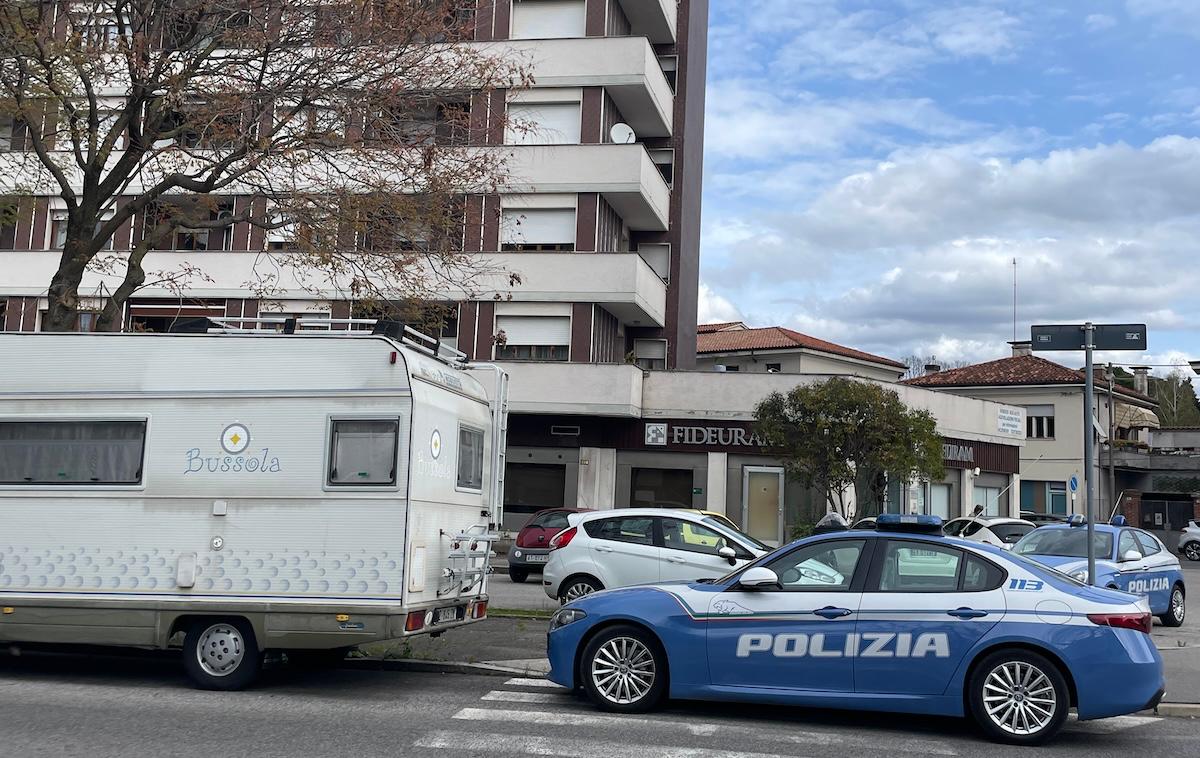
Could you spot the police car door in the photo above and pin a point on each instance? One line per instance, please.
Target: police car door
(1151, 575)
(795, 636)
(924, 606)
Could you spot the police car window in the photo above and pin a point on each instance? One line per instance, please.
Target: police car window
(919, 567)
(980, 575)
(1127, 544)
(823, 567)
(692, 537)
(638, 530)
(1149, 545)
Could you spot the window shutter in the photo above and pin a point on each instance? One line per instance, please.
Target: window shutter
(548, 19)
(538, 226)
(535, 330)
(543, 124)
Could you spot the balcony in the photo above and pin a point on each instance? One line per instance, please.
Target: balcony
(656, 19)
(589, 389)
(623, 174)
(625, 66)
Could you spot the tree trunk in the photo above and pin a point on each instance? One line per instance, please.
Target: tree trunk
(62, 314)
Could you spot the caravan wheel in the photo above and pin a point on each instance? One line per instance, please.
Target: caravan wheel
(221, 654)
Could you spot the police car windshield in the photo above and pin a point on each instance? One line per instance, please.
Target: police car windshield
(1068, 542)
(720, 525)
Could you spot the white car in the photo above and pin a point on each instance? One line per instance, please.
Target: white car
(618, 548)
(1189, 541)
(994, 530)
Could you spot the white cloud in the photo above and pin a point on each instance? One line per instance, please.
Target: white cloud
(714, 308)
(1182, 16)
(1097, 22)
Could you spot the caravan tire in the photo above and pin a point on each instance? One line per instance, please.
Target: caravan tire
(221, 654)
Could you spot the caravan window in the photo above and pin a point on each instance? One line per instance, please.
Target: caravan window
(363, 452)
(470, 458)
(71, 452)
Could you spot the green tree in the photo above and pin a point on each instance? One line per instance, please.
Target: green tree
(845, 433)
(1177, 404)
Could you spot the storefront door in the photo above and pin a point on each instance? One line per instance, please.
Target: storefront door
(939, 501)
(762, 503)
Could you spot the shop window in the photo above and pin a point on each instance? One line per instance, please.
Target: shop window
(991, 499)
(661, 488)
(72, 452)
(531, 487)
(939, 500)
(470, 458)
(363, 452)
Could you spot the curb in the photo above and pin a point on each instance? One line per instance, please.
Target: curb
(1180, 710)
(439, 667)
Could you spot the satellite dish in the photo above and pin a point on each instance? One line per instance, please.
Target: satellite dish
(623, 134)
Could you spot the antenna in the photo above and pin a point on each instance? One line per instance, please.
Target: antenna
(623, 134)
(1014, 299)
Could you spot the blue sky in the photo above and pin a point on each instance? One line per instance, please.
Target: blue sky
(872, 169)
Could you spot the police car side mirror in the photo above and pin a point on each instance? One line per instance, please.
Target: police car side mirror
(759, 578)
(728, 554)
(1131, 555)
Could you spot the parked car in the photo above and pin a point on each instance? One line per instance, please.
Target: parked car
(885, 620)
(1044, 518)
(531, 549)
(617, 548)
(1189, 541)
(994, 530)
(1127, 559)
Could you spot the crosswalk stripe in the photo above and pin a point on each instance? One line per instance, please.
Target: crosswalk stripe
(568, 718)
(564, 747)
(522, 682)
(506, 696)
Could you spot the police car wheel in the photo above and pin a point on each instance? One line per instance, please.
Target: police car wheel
(1176, 610)
(624, 669)
(1018, 697)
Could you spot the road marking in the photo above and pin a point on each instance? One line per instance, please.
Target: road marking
(521, 682)
(569, 748)
(523, 697)
(579, 719)
(1114, 724)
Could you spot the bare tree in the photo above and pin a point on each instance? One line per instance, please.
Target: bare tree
(350, 128)
(916, 365)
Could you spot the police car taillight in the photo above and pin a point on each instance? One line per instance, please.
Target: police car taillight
(563, 538)
(1141, 622)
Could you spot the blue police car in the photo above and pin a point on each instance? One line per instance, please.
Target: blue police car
(1127, 559)
(898, 619)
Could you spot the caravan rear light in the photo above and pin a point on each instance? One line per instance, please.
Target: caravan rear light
(563, 538)
(479, 610)
(417, 620)
(1141, 622)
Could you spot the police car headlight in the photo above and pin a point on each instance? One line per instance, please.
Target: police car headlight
(566, 616)
(516, 554)
(1080, 575)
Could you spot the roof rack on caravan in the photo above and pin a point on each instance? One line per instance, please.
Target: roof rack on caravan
(353, 327)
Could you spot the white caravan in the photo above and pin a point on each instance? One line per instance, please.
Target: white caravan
(241, 493)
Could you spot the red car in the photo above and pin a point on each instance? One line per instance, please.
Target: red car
(532, 548)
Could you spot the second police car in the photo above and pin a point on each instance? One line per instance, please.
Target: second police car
(888, 620)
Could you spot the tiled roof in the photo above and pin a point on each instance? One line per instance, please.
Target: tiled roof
(775, 338)
(719, 327)
(1016, 371)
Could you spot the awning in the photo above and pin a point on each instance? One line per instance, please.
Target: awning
(1133, 417)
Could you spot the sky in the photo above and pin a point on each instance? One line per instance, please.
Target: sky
(873, 167)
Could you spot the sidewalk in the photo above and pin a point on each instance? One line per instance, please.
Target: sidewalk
(517, 646)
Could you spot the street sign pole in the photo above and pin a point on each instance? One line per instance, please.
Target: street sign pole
(1089, 441)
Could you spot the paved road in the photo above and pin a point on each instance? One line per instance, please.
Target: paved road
(101, 706)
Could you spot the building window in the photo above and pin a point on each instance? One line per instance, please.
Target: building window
(72, 452)
(774, 368)
(548, 19)
(533, 338)
(1039, 422)
(660, 488)
(538, 230)
(543, 124)
(531, 487)
(991, 500)
(58, 232)
(650, 354)
(731, 367)
(363, 452)
(664, 160)
(470, 458)
(420, 124)
(670, 68)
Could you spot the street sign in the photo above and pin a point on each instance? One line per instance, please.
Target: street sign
(1104, 337)
(1074, 483)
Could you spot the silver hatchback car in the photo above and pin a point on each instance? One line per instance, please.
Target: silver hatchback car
(1189, 541)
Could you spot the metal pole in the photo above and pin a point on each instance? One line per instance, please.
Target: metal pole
(1089, 440)
(1112, 433)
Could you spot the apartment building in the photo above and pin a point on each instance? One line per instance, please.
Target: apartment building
(599, 217)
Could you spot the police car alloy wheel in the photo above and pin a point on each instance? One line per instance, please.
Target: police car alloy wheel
(623, 669)
(1019, 697)
(1176, 610)
(221, 654)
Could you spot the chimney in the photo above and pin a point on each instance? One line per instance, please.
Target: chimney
(1141, 379)
(932, 368)
(1021, 348)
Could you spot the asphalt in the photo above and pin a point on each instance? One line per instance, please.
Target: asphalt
(102, 706)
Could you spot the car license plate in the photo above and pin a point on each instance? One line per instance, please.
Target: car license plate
(442, 615)
(538, 558)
